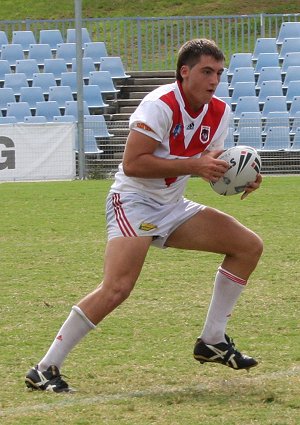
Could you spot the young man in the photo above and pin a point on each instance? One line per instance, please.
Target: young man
(177, 131)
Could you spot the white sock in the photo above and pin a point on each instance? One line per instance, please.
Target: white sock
(227, 289)
(72, 331)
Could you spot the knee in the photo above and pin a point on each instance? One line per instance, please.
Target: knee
(117, 292)
(255, 247)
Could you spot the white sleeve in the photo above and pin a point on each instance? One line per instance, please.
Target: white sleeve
(151, 118)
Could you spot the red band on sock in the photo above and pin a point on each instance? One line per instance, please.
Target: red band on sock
(232, 277)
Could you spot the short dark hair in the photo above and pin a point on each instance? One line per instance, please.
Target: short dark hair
(191, 52)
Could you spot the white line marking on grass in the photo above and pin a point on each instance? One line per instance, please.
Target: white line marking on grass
(85, 401)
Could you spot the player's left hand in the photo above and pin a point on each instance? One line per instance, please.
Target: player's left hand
(253, 186)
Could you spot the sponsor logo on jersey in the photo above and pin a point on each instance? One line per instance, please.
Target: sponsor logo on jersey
(177, 130)
(190, 126)
(147, 226)
(143, 126)
(204, 133)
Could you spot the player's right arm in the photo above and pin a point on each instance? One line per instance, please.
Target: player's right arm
(139, 161)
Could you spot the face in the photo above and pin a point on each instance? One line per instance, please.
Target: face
(200, 82)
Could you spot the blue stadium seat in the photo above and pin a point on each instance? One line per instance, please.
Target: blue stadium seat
(290, 59)
(69, 79)
(71, 108)
(296, 140)
(246, 104)
(35, 119)
(28, 67)
(56, 67)
(98, 125)
(48, 109)
(40, 52)
(93, 97)
(4, 69)
(242, 88)
(66, 51)
(245, 74)
(295, 122)
(8, 120)
(239, 60)
(104, 80)
(64, 118)
(12, 53)
(269, 88)
(61, 94)
(292, 74)
(31, 95)
(295, 106)
(264, 45)
(274, 104)
(114, 65)
(248, 119)
(71, 35)
(18, 110)
(276, 119)
(277, 138)
(15, 81)
(90, 144)
(52, 37)
(292, 91)
(250, 136)
(229, 140)
(264, 60)
(3, 39)
(7, 95)
(95, 50)
(289, 45)
(222, 89)
(267, 74)
(43, 80)
(24, 38)
(288, 30)
(87, 67)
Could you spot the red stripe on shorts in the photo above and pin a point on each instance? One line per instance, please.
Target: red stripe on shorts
(122, 221)
(232, 277)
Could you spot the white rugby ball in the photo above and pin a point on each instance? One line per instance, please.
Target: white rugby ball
(244, 165)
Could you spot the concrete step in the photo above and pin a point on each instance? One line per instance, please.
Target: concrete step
(137, 94)
(128, 102)
(120, 117)
(138, 88)
(127, 109)
(152, 74)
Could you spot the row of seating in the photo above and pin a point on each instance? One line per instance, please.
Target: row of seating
(95, 126)
(271, 104)
(91, 94)
(267, 88)
(273, 119)
(53, 37)
(113, 64)
(275, 138)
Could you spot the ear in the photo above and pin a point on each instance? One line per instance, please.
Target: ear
(184, 70)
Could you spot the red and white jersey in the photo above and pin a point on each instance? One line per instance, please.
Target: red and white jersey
(181, 133)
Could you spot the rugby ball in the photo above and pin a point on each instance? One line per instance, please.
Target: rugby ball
(244, 166)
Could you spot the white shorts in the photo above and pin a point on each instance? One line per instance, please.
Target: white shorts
(132, 215)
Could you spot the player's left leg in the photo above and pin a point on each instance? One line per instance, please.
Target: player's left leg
(213, 231)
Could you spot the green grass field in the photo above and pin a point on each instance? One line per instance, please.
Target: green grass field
(137, 367)
(57, 9)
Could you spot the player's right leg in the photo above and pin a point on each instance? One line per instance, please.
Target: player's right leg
(124, 258)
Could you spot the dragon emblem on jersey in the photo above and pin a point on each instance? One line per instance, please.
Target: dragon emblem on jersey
(177, 130)
(204, 133)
